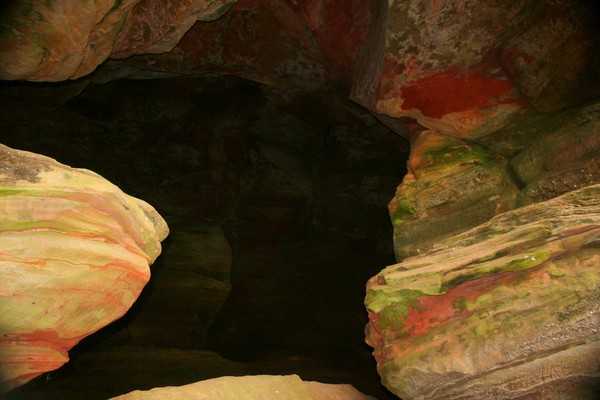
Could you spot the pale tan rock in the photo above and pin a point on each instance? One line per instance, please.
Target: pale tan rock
(74, 256)
(259, 387)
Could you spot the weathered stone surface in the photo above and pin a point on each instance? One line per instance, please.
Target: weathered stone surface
(451, 185)
(496, 311)
(75, 254)
(263, 41)
(466, 67)
(61, 40)
(58, 40)
(156, 26)
(552, 153)
(252, 388)
(339, 28)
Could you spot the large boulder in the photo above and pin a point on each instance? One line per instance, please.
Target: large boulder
(75, 255)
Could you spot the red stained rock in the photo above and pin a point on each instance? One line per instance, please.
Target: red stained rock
(442, 70)
(339, 27)
(454, 92)
(485, 314)
(465, 68)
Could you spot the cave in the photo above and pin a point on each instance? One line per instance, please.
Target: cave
(277, 216)
(307, 156)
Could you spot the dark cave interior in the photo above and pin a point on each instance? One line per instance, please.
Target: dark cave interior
(273, 137)
(287, 192)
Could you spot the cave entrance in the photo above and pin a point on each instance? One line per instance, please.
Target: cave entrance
(276, 200)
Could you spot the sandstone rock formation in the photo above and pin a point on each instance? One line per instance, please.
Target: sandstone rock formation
(267, 199)
(498, 100)
(506, 310)
(59, 40)
(465, 68)
(262, 387)
(75, 254)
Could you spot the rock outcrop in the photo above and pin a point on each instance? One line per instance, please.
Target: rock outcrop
(74, 256)
(506, 310)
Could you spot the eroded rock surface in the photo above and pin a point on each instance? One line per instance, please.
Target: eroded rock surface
(496, 98)
(491, 313)
(75, 255)
(469, 67)
(61, 40)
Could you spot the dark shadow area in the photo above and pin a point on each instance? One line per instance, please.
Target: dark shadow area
(277, 205)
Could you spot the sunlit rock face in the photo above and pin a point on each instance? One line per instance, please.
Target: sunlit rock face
(75, 255)
(506, 310)
(261, 387)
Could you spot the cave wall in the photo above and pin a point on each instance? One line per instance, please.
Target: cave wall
(498, 101)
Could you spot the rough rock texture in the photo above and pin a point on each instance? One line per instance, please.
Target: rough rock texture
(455, 184)
(451, 184)
(75, 256)
(252, 388)
(59, 40)
(469, 67)
(262, 40)
(497, 98)
(274, 42)
(496, 311)
(156, 26)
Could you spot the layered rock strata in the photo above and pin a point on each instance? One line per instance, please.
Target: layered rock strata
(74, 256)
(506, 310)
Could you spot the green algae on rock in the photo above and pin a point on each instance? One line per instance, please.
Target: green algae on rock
(430, 203)
(486, 313)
